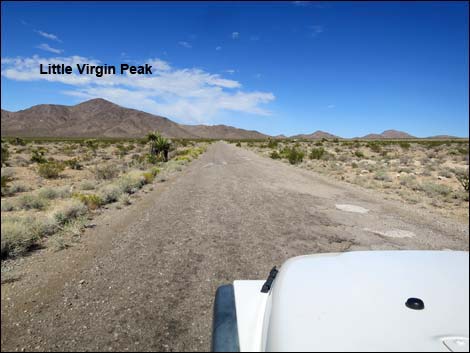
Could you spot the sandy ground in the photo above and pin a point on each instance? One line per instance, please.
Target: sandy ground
(145, 280)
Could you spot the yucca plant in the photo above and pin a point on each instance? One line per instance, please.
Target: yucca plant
(159, 145)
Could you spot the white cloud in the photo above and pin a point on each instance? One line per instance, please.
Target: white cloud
(218, 48)
(50, 49)
(185, 44)
(235, 35)
(189, 94)
(48, 35)
(230, 71)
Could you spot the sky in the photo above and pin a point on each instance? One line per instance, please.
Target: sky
(276, 67)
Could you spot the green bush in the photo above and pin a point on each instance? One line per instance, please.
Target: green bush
(404, 145)
(374, 147)
(73, 164)
(317, 153)
(18, 141)
(275, 155)
(155, 171)
(148, 177)
(272, 143)
(238, 144)
(359, 154)
(50, 170)
(294, 156)
(5, 154)
(91, 201)
(462, 177)
(37, 156)
(5, 180)
(152, 158)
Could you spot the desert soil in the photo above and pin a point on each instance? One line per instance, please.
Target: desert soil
(144, 277)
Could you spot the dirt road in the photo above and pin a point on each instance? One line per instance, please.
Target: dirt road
(144, 277)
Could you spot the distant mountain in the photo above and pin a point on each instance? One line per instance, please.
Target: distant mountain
(444, 137)
(222, 132)
(388, 134)
(101, 118)
(282, 136)
(317, 135)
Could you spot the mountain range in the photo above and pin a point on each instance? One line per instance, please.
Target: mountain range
(101, 118)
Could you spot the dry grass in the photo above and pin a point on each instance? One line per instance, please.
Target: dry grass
(49, 189)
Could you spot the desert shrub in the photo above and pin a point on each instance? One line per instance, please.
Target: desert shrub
(19, 234)
(110, 193)
(410, 182)
(87, 185)
(5, 154)
(68, 211)
(404, 145)
(148, 177)
(272, 143)
(183, 158)
(317, 153)
(50, 170)
(238, 144)
(434, 190)
(354, 165)
(17, 141)
(30, 202)
(5, 180)
(152, 158)
(91, 144)
(275, 155)
(125, 199)
(294, 155)
(374, 147)
(359, 154)
(106, 172)
(54, 193)
(37, 156)
(462, 177)
(91, 201)
(446, 173)
(382, 175)
(18, 187)
(131, 182)
(73, 164)
(7, 205)
(155, 171)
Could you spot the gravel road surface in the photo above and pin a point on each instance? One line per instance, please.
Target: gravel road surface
(144, 278)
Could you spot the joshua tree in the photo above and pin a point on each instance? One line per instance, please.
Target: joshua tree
(159, 145)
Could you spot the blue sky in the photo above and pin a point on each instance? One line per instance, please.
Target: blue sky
(279, 67)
